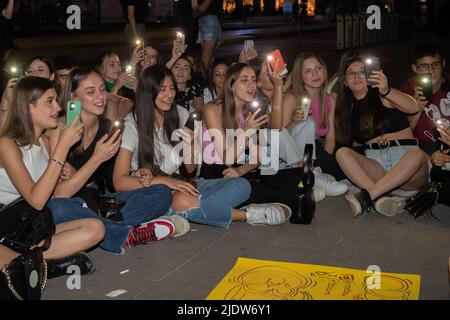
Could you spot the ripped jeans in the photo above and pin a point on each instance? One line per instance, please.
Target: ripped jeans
(217, 199)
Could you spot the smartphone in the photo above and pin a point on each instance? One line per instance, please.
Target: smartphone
(73, 109)
(273, 57)
(249, 44)
(424, 80)
(182, 38)
(14, 72)
(257, 103)
(371, 64)
(193, 116)
(305, 105)
(442, 123)
(116, 125)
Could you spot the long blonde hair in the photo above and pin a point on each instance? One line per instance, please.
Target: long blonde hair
(299, 91)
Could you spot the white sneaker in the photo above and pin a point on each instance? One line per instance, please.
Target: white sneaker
(318, 194)
(182, 226)
(332, 188)
(267, 213)
(390, 206)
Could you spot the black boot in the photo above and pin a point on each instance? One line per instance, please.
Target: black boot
(360, 202)
(58, 267)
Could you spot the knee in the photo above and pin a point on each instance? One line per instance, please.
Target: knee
(342, 154)
(161, 192)
(242, 186)
(183, 202)
(93, 231)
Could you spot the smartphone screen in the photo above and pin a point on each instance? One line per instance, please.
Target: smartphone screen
(424, 80)
(371, 64)
(249, 44)
(193, 116)
(73, 109)
(273, 57)
(305, 105)
(258, 103)
(182, 38)
(116, 125)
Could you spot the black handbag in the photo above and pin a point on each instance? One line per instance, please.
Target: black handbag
(22, 228)
(25, 277)
(306, 206)
(423, 201)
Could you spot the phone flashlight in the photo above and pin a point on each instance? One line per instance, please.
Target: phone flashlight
(269, 57)
(129, 68)
(13, 70)
(179, 34)
(138, 42)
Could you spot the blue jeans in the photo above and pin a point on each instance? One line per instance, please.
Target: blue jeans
(217, 199)
(141, 205)
(209, 29)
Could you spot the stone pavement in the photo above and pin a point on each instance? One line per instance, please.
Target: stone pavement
(188, 268)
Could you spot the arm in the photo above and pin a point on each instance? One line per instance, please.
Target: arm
(36, 194)
(289, 108)
(132, 21)
(330, 140)
(105, 149)
(199, 9)
(9, 10)
(122, 179)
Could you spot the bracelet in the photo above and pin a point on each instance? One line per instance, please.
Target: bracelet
(58, 163)
(384, 95)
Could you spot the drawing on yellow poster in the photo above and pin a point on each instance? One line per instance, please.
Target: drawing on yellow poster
(252, 279)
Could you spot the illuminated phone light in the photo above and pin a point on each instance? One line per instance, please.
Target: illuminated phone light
(138, 42)
(270, 57)
(179, 35)
(425, 80)
(72, 106)
(13, 69)
(117, 123)
(369, 61)
(255, 104)
(129, 68)
(305, 100)
(439, 122)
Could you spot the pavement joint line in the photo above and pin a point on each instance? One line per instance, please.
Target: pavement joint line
(193, 257)
(275, 242)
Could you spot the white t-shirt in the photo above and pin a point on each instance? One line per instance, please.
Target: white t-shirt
(168, 160)
(35, 159)
(207, 96)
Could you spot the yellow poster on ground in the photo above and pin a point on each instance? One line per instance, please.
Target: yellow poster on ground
(252, 279)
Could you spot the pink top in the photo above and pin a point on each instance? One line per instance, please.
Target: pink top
(315, 114)
(210, 155)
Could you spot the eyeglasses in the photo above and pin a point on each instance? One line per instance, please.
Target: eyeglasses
(427, 66)
(351, 75)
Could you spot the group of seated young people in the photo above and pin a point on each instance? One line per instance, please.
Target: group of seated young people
(364, 133)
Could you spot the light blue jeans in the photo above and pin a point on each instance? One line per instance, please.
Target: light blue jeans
(209, 29)
(140, 206)
(217, 199)
(292, 143)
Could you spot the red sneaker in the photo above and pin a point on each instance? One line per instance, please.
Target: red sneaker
(154, 230)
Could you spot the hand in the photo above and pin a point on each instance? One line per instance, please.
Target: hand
(123, 79)
(247, 55)
(440, 158)
(132, 83)
(421, 100)
(275, 74)
(137, 56)
(445, 135)
(107, 147)
(178, 48)
(67, 171)
(380, 81)
(182, 186)
(255, 122)
(8, 93)
(186, 135)
(298, 116)
(231, 172)
(71, 134)
(145, 177)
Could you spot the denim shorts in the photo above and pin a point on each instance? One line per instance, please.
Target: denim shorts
(209, 29)
(388, 157)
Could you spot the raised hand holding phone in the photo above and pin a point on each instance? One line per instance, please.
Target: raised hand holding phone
(73, 110)
(371, 64)
(275, 56)
(424, 81)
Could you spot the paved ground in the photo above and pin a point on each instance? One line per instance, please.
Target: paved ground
(190, 267)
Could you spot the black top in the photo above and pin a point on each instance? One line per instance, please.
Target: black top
(6, 30)
(140, 9)
(184, 98)
(213, 9)
(389, 119)
(103, 175)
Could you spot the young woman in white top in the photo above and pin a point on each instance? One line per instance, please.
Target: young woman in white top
(148, 142)
(28, 170)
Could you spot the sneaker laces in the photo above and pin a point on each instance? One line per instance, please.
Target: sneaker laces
(141, 235)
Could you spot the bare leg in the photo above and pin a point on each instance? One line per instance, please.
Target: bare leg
(74, 236)
(411, 172)
(359, 169)
(6, 255)
(207, 52)
(238, 215)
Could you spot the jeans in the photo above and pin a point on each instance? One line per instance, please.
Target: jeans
(209, 29)
(141, 205)
(217, 199)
